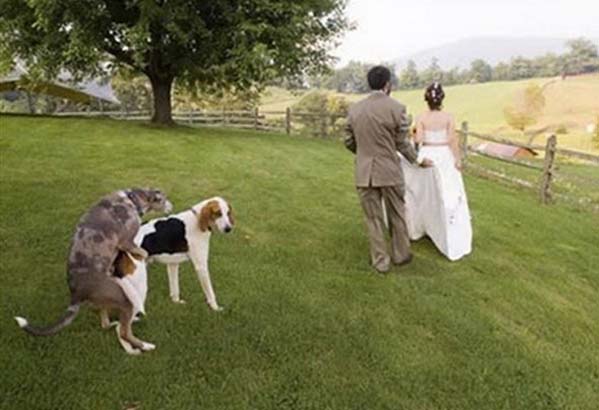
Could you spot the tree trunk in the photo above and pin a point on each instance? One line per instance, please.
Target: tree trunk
(161, 89)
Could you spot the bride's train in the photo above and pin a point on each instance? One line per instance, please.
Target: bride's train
(436, 202)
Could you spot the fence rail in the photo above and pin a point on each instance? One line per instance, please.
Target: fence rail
(288, 121)
(564, 151)
(548, 172)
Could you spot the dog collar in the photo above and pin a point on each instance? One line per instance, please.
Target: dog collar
(139, 209)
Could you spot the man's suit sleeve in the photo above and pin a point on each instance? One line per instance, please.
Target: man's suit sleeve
(402, 133)
(350, 139)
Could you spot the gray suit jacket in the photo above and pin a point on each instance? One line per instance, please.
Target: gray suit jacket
(377, 128)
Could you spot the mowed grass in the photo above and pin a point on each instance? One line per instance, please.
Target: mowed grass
(307, 324)
(571, 104)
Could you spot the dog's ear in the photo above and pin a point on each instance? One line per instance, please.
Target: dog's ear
(205, 218)
(208, 214)
(231, 217)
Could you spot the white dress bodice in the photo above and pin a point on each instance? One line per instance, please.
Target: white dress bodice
(435, 137)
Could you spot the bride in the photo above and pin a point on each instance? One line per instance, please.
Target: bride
(436, 203)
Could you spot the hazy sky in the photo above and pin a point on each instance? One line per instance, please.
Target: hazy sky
(389, 29)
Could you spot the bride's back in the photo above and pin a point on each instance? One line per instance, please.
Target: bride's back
(435, 121)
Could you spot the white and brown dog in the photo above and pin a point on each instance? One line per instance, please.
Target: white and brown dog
(183, 237)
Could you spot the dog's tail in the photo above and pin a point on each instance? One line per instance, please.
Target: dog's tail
(64, 321)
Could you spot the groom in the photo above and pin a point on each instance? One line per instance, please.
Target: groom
(377, 128)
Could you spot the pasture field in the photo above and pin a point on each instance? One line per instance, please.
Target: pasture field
(307, 323)
(571, 104)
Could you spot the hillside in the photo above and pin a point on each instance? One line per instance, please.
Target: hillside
(307, 324)
(491, 49)
(572, 103)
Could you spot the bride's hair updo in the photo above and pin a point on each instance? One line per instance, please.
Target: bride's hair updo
(434, 96)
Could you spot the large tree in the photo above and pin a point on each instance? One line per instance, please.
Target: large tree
(583, 56)
(408, 78)
(480, 71)
(432, 73)
(349, 79)
(216, 44)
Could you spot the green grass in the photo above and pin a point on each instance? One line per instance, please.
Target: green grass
(578, 183)
(571, 103)
(307, 325)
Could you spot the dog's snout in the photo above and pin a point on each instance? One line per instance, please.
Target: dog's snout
(228, 229)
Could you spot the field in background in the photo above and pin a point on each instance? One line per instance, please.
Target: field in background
(307, 323)
(573, 104)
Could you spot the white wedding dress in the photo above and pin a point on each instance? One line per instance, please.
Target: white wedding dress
(436, 202)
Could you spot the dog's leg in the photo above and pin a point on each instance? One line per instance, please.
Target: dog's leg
(130, 343)
(173, 282)
(200, 263)
(105, 320)
(132, 294)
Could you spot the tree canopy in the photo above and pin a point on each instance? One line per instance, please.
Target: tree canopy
(204, 45)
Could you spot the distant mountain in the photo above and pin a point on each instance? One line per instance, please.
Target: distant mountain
(491, 49)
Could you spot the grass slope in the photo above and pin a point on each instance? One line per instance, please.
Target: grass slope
(572, 103)
(307, 325)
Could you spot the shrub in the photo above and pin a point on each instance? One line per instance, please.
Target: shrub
(527, 108)
(320, 113)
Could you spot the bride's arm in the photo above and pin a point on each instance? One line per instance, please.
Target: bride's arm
(454, 143)
(419, 131)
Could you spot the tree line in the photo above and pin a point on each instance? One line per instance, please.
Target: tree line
(581, 57)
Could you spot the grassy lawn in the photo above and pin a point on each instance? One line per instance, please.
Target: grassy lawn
(307, 325)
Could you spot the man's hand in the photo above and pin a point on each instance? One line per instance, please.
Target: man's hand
(426, 163)
(458, 165)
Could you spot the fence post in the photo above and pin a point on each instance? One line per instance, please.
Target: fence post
(464, 142)
(547, 175)
(256, 114)
(190, 119)
(288, 121)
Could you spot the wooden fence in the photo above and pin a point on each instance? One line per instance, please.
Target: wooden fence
(287, 121)
(548, 172)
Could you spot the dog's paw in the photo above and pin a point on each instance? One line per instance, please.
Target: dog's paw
(126, 345)
(179, 301)
(139, 254)
(217, 308)
(146, 347)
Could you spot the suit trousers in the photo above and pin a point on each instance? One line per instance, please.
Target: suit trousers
(371, 200)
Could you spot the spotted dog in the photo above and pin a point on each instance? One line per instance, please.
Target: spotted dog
(107, 229)
(184, 237)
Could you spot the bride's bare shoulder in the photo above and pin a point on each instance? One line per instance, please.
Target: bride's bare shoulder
(423, 116)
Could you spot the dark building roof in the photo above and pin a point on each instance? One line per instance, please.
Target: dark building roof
(63, 87)
(503, 150)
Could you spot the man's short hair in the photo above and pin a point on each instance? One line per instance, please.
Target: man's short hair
(378, 76)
